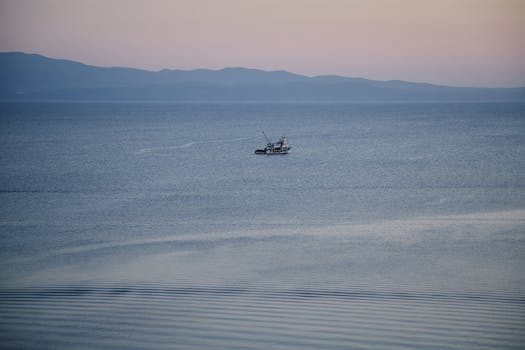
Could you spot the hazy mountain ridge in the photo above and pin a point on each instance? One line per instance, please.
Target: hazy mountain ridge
(35, 77)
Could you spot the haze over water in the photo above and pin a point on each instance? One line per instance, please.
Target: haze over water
(156, 226)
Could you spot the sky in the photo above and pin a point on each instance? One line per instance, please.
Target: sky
(449, 42)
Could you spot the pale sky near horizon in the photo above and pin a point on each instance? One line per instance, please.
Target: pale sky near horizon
(452, 42)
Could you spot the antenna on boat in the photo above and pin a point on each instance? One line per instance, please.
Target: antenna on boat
(266, 137)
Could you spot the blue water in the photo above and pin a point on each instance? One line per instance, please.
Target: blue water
(151, 226)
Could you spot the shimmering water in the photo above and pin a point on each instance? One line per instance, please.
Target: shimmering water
(139, 225)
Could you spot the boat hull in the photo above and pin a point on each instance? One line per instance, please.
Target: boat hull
(269, 152)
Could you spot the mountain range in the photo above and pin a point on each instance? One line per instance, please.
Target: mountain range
(32, 77)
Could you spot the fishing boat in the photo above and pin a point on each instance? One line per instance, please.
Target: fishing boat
(279, 147)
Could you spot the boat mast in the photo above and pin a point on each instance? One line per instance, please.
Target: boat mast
(266, 137)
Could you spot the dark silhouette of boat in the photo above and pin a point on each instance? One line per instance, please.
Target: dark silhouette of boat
(279, 147)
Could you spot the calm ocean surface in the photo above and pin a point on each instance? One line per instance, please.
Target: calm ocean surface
(152, 226)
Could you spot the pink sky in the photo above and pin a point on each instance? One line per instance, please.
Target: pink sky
(452, 42)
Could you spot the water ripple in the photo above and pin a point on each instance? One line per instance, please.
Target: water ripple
(157, 316)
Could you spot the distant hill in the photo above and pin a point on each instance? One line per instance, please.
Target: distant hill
(26, 77)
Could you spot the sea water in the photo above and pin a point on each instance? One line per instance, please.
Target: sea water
(154, 225)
